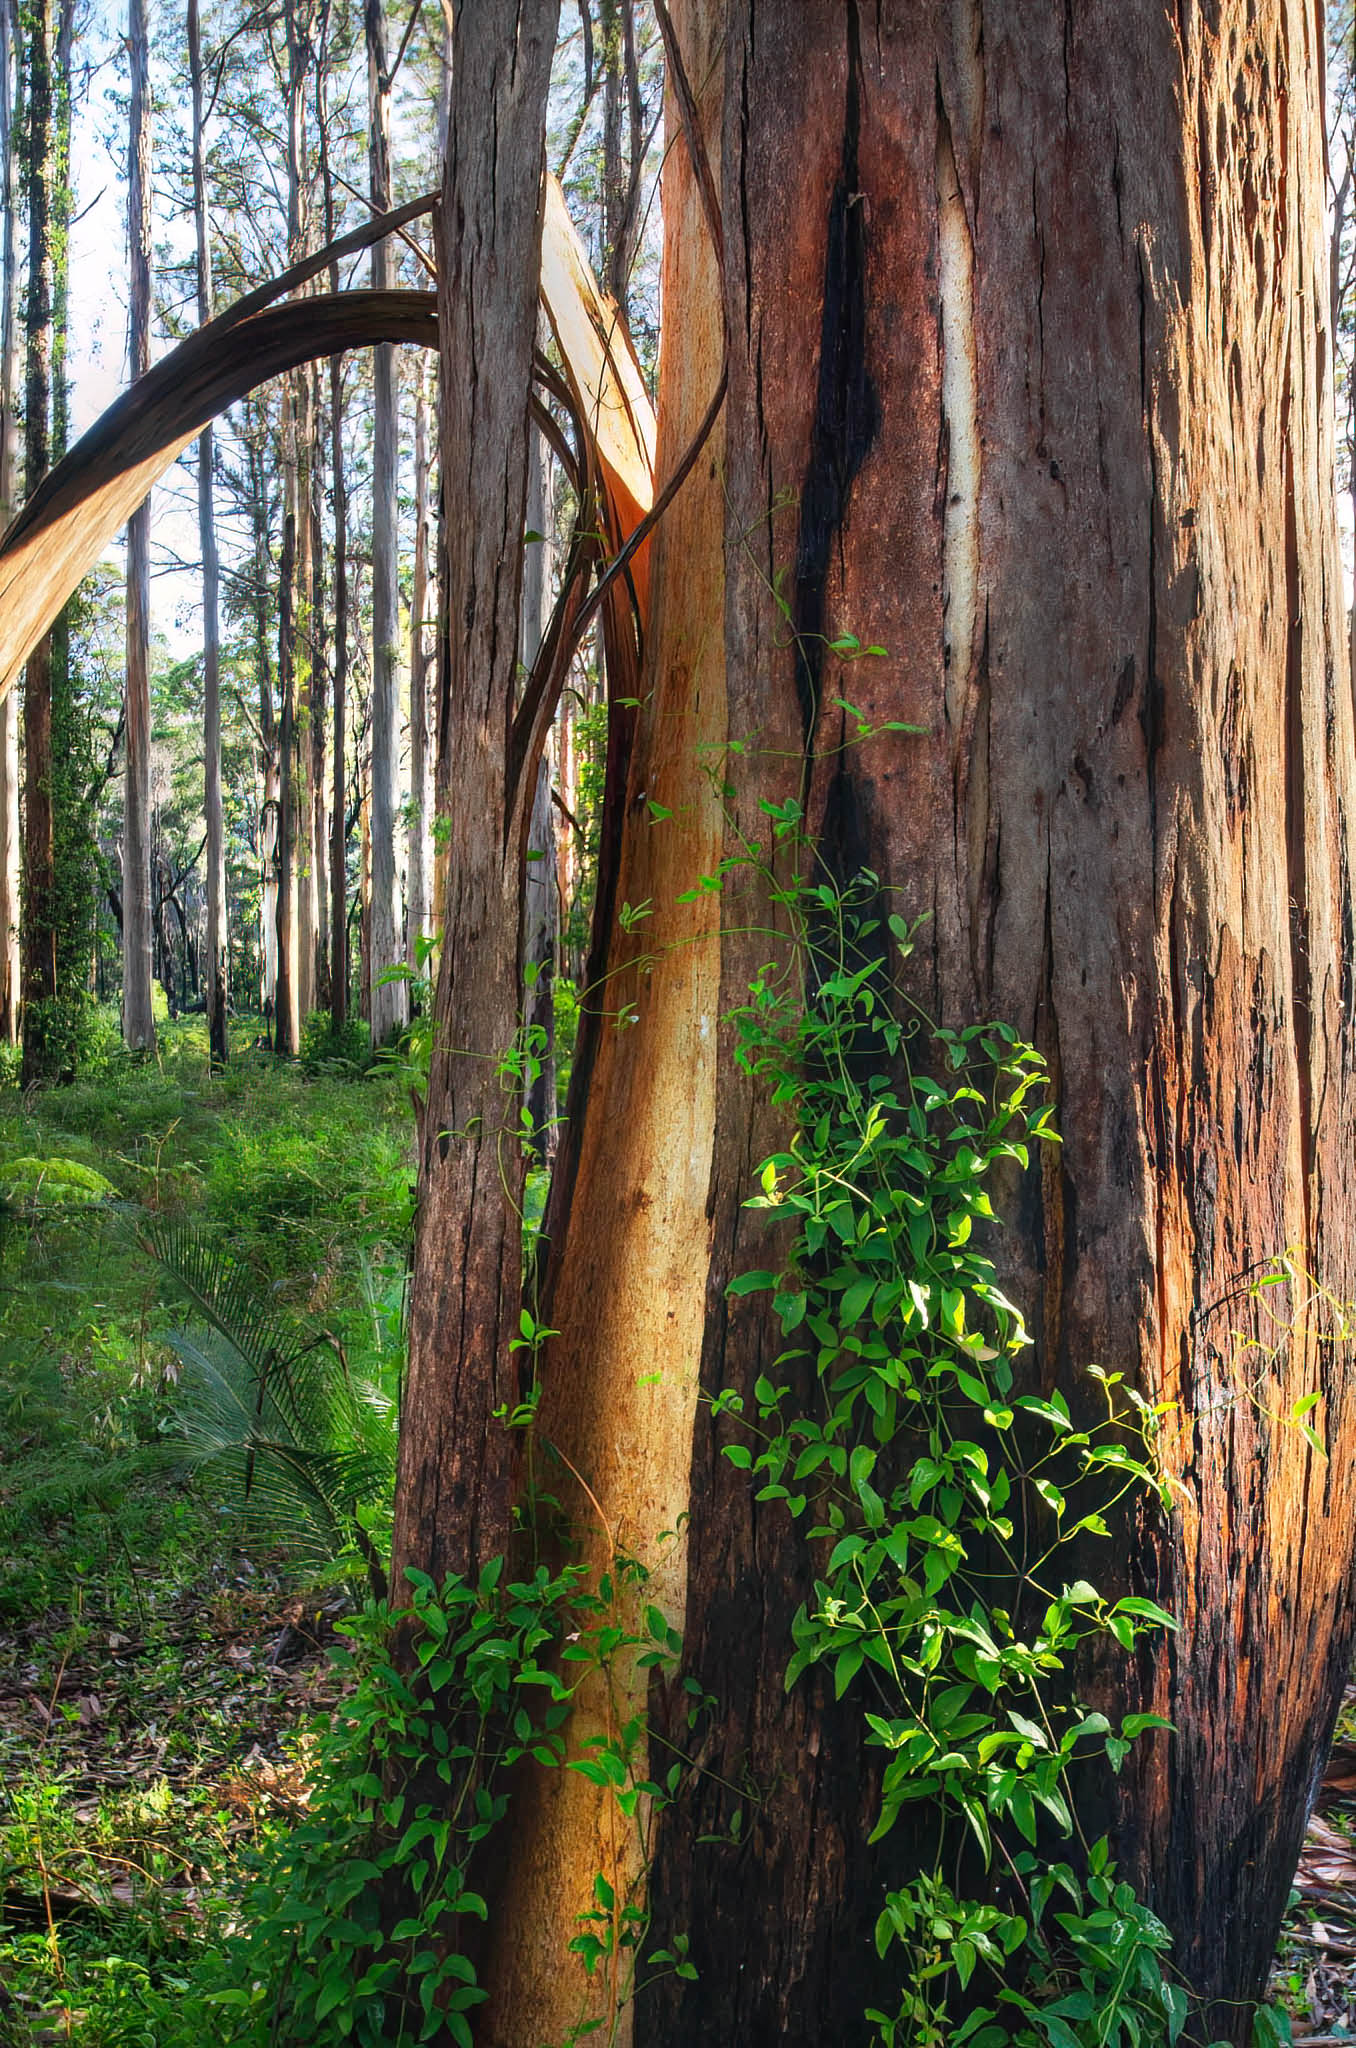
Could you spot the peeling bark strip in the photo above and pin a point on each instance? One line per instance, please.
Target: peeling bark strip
(1091, 523)
(620, 1385)
(69, 520)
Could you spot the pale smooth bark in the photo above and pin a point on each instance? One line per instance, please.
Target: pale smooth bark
(418, 908)
(217, 950)
(295, 898)
(390, 999)
(287, 1017)
(339, 964)
(541, 919)
(319, 835)
(304, 625)
(621, 1380)
(256, 441)
(138, 1021)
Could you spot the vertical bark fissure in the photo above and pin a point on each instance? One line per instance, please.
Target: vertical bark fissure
(1296, 823)
(846, 413)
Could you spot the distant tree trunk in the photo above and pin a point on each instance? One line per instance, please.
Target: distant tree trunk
(304, 626)
(390, 1000)
(418, 907)
(439, 670)
(38, 934)
(287, 1021)
(138, 1020)
(217, 949)
(339, 966)
(622, 174)
(365, 881)
(319, 709)
(9, 435)
(296, 903)
(256, 457)
(338, 851)
(455, 1487)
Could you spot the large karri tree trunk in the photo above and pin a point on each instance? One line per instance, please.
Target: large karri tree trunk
(1026, 313)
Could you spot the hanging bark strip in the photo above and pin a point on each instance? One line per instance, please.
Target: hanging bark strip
(631, 1235)
(65, 525)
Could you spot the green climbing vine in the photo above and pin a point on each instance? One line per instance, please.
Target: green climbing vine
(952, 1511)
(945, 1496)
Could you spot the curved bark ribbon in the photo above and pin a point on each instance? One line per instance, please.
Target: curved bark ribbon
(81, 504)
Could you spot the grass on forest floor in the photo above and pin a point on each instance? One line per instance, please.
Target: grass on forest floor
(155, 1656)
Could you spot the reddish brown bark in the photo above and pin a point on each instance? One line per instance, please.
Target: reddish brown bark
(1026, 313)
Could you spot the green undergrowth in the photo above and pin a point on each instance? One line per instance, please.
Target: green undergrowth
(142, 1595)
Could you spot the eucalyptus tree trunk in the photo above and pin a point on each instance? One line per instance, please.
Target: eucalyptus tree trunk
(418, 909)
(390, 999)
(256, 461)
(287, 1020)
(138, 1021)
(339, 970)
(304, 629)
(217, 947)
(38, 934)
(456, 1473)
(622, 174)
(295, 901)
(338, 843)
(318, 849)
(9, 438)
(1026, 318)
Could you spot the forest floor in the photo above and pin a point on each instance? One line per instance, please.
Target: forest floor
(157, 1654)
(160, 1658)
(1314, 1979)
